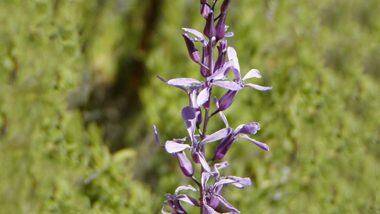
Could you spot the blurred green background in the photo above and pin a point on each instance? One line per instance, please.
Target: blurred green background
(78, 96)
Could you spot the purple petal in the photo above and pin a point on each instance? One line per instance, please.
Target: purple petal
(205, 71)
(193, 51)
(240, 182)
(156, 135)
(258, 87)
(189, 115)
(237, 75)
(193, 98)
(261, 145)
(203, 96)
(174, 204)
(214, 202)
(233, 86)
(208, 210)
(224, 118)
(203, 162)
(235, 181)
(184, 82)
(221, 114)
(223, 182)
(254, 73)
(223, 45)
(184, 188)
(177, 86)
(196, 34)
(199, 117)
(232, 55)
(221, 165)
(190, 200)
(250, 128)
(174, 147)
(229, 34)
(221, 55)
(223, 147)
(217, 135)
(221, 72)
(205, 177)
(185, 164)
(225, 206)
(226, 101)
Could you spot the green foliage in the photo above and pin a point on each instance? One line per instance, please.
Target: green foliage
(321, 119)
(51, 162)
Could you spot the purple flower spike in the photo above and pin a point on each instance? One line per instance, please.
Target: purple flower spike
(216, 71)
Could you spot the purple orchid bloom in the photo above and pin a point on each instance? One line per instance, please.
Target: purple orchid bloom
(212, 197)
(174, 201)
(232, 136)
(216, 72)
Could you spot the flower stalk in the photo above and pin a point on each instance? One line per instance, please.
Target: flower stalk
(191, 150)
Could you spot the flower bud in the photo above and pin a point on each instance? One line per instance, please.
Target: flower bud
(205, 10)
(224, 6)
(193, 51)
(226, 101)
(185, 164)
(221, 55)
(223, 147)
(209, 30)
(221, 27)
(204, 71)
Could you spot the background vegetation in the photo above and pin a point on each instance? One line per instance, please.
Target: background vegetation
(78, 96)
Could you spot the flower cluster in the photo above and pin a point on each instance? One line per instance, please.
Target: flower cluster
(191, 150)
